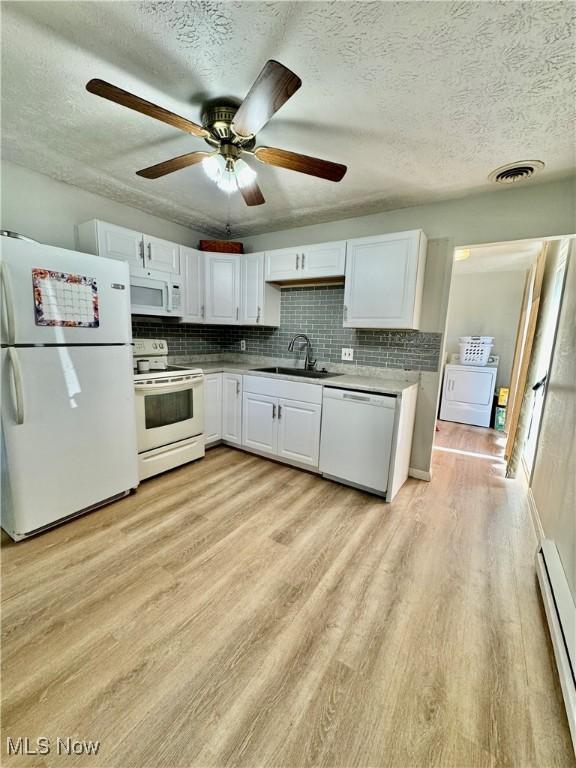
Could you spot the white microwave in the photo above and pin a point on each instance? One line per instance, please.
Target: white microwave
(156, 295)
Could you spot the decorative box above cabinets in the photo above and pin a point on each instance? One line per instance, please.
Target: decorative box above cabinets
(306, 263)
(384, 280)
(143, 253)
(260, 301)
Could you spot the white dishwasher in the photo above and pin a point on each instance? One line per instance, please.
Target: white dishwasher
(356, 440)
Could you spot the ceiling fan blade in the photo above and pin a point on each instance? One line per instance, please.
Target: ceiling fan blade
(175, 164)
(252, 194)
(272, 88)
(294, 161)
(126, 99)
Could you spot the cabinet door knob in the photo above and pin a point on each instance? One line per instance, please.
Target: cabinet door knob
(273, 410)
(237, 388)
(142, 249)
(279, 412)
(237, 312)
(345, 312)
(297, 260)
(303, 257)
(202, 312)
(149, 251)
(258, 316)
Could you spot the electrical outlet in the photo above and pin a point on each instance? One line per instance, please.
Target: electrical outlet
(242, 346)
(347, 353)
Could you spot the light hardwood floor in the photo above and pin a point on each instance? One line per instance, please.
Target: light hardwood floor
(237, 612)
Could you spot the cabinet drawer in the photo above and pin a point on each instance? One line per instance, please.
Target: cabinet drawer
(292, 390)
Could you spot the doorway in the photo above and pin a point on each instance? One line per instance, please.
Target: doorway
(505, 299)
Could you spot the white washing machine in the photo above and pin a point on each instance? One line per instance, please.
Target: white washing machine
(468, 392)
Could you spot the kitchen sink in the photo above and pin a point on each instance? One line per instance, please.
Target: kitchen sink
(299, 372)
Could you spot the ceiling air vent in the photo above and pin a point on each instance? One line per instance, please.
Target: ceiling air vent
(513, 172)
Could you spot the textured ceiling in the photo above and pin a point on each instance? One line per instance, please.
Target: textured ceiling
(420, 99)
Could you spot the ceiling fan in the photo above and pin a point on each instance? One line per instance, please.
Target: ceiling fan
(231, 132)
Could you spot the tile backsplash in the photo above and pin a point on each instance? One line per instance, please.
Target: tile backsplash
(316, 311)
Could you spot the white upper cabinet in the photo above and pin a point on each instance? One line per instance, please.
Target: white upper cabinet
(324, 260)
(161, 255)
(384, 280)
(260, 303)
(283, 264)
(192, 265)
(222, 288)
(113, 242)
(307, 262)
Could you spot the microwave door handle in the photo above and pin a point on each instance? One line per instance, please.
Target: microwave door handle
(169, 297)
(8, 311)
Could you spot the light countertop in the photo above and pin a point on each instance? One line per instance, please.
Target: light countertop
(377, 384)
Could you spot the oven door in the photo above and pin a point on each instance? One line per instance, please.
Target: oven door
(169, 411)
(150, 296)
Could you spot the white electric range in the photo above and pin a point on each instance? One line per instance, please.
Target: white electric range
(169, 409)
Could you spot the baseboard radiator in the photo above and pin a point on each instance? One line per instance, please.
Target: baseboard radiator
(561, 615)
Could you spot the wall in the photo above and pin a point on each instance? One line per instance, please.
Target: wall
(487, 304)
(514, 213)
(317, 312)
(554, 477)
(48, 210)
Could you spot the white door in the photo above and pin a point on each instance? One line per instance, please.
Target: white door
(381, 281)
(120, 243)
(324, 260)
(259, 422)
(299, 431)
(69, 431)
(161, 255)
(222, 279)
(232, 408)
(283, 264)
(212, 407)
(54, 296)
(252, 288)
(192, 264)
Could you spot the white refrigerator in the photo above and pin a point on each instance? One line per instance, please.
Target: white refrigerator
(68, 416)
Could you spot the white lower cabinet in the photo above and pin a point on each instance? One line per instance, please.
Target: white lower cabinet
(259, 428)
(212, 408)
(282, 418)
(299, 431)
(232, 408)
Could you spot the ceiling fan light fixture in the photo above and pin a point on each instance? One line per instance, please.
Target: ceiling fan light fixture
(227, 181)
(214, 167)
(244, 174)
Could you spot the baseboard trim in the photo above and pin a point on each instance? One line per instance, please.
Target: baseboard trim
(539, 531)
(563, 665)
(419, 474)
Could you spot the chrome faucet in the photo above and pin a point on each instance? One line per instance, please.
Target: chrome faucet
(309, 364)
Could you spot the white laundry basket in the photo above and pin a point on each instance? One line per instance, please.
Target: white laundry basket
(475, 350)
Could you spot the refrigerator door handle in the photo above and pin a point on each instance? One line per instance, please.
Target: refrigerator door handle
(18, 387)
(8, 313)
